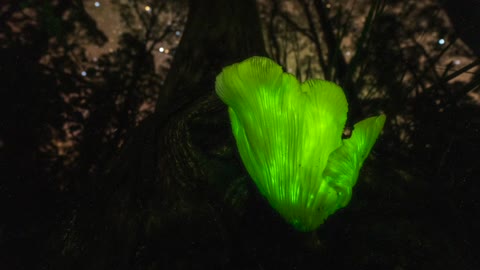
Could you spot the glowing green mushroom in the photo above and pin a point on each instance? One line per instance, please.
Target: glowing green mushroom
(289, 136)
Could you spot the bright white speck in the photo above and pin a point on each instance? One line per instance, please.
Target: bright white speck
(441, 41)
(178, 33)
(97, 4)
(457, 62)
(161, 49)
(84, 73)
(148, 8)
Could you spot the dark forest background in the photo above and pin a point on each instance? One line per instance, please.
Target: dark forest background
(125, 162)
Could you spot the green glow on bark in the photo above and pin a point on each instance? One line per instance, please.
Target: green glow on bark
(289, 136)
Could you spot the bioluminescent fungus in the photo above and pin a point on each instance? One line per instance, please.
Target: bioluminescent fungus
(289, 136)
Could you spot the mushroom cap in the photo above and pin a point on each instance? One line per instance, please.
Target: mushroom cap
(289, 136)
